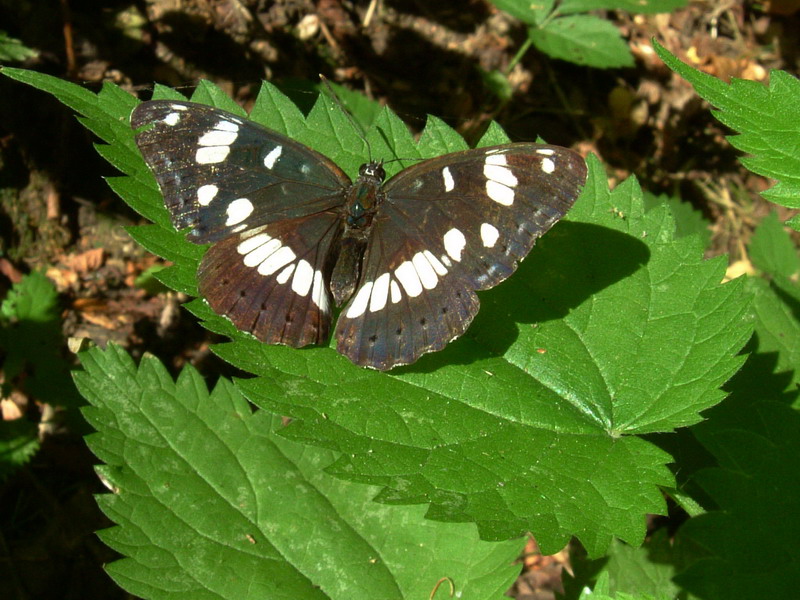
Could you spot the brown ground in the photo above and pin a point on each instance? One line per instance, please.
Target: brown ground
(419, 57)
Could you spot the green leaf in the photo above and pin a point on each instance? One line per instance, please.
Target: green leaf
(364, 110)
(631, 6)
(772, 250)
(209, 503)
(19, 441)
(644, 572)
(750, 542)
(497, 83)
(526, 11)
(148, 281)
(583, 40)
(12, 49)
(768, 119)
(30, 338)
(688, 221)
(776, 309)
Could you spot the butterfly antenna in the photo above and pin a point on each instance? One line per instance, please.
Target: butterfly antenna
(356, 125)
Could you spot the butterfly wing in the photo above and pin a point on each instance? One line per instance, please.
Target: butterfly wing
(271, 281)
(446, 228)
(272, 206)
(221, 174)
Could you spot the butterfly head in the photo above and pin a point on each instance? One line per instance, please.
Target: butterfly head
(372, 170)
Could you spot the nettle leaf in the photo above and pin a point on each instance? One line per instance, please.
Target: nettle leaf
(583, 40)
(768, 119)
(749, 543)
(772, 250)
(209, 503)
(612, 328)
(775, 303)
(688, 221)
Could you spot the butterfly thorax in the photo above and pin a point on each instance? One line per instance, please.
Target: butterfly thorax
(362, 200)
(363, 196)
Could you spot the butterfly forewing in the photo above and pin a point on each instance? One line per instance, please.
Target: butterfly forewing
(221, 174)
(272, 280)
(447, 227)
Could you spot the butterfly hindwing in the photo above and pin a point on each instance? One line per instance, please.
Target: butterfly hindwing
(447, 227)
(221, 174)
(271, 281)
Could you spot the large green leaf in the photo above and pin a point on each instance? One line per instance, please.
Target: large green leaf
(209, 503)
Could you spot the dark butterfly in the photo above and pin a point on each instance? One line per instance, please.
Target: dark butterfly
(291, 232)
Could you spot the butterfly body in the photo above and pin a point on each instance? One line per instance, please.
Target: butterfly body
(293, 236)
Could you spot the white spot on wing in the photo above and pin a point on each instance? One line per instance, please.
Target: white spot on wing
(359, 304)
(178, 107)
(380, 293)
(284, 275)
(500, 174)
(206, 193)
(218, 138)
(273, 156)
(500, 193)
(226, 126)
(252, 232)
(548, 166)
(253, 243)
(319, 294)
(261, 253)
(454, 242)
(496, 158)
(238, 211)
(211, 154)
(449, 184)
(406, 273)
(489, 235)
(282, 257)
(172, 119)
(303, 278)
(435, 263)
(425, 271)
(397, 295)
(545, 151)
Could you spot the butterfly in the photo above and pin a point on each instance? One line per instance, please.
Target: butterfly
(293, 236)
